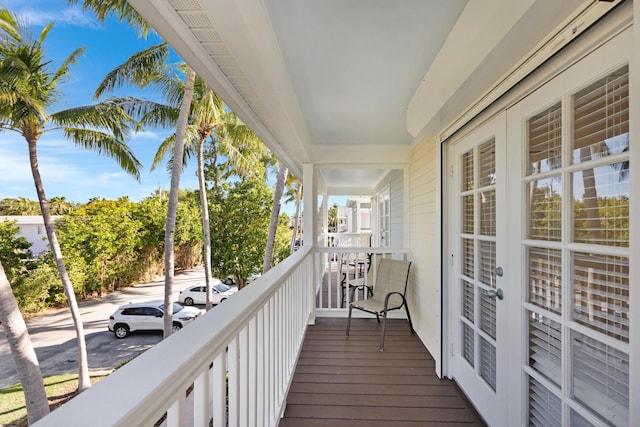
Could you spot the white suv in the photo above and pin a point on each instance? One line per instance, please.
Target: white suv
(148, 316)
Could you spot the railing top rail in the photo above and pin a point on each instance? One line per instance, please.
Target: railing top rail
(362, 233)
(368, 249)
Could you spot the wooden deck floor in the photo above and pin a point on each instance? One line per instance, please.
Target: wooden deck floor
(343, 381)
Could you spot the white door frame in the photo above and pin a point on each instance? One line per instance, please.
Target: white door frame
(492, 405)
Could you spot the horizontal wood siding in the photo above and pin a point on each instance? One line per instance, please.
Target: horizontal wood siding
(396, 196)
(342, 381)
(423, 245)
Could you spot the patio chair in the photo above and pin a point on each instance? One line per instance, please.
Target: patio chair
(389, 294)
(352, 282)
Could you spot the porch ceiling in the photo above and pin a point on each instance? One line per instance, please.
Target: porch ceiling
(351, 83)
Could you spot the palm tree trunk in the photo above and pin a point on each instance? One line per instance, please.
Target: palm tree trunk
(591, 199)
(297, 217)
(83, 362)
(206, 231)
(275, 214)
(172, 209)
(23, 353)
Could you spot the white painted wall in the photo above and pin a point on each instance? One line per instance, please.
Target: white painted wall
(32, 229)
(424, 298)
(396, 194)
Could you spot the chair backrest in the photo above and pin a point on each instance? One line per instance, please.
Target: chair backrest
(372, 268)
(392, 276)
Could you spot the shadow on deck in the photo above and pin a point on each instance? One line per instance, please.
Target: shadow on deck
(342, 381)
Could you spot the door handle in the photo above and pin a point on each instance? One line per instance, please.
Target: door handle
(495, 293)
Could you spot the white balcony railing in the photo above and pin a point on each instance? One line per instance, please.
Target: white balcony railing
(231, 367)
(347, 240)
(345, 274)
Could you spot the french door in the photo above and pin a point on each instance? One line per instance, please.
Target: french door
(572, 183)
(477, 233)
(539, 252)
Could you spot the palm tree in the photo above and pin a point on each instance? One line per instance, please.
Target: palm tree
(19, 206)
(294, 194)
(211, 120)
(27, 363)
(275, 214)
(14, 251)
(27, 90)
(60, 206)
(152, 73)
(172, 209)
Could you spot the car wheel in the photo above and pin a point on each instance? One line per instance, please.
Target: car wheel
(121, 330)
(223, 299)
(176, 327)
(188, 301)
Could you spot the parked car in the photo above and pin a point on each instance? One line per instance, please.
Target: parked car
(197, 294)
(222, 287)
(148, 316)
(252, 277)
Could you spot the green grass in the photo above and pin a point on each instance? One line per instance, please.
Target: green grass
(59, 388)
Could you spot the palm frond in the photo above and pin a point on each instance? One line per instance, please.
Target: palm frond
(18, 101)
(140, 69)
(165, 147)
(9, 25)
(149, 113)
(63, 69)
(119, 8)
(171, 87)
(107, 145)
(190, 148)
(108, 115)
(161, 116)
(45, 32)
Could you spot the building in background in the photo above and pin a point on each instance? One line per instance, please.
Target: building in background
(32, 228)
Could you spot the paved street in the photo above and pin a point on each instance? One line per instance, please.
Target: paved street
(54, 338)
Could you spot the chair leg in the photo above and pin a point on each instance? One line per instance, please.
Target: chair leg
(349, 321)
(406, 307)
(384, 324)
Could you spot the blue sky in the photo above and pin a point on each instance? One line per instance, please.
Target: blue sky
(68, 171)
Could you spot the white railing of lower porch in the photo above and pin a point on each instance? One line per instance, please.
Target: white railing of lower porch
(341, 268)
(231, 367)
(347, 240)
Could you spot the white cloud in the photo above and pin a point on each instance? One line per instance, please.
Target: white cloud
(146, 135)
(15, 168)
(43, 12)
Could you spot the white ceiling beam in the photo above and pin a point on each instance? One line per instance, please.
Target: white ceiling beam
(361, 154)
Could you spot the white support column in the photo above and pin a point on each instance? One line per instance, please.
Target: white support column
(310, 198)
(325, 213)
(310, 226)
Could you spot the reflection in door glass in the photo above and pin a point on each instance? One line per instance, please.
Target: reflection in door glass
(545, 278)
(545, 209)
(545, 141)
(601, 206)
(601, 118)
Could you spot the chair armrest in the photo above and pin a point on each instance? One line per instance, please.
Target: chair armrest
(386, 299)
